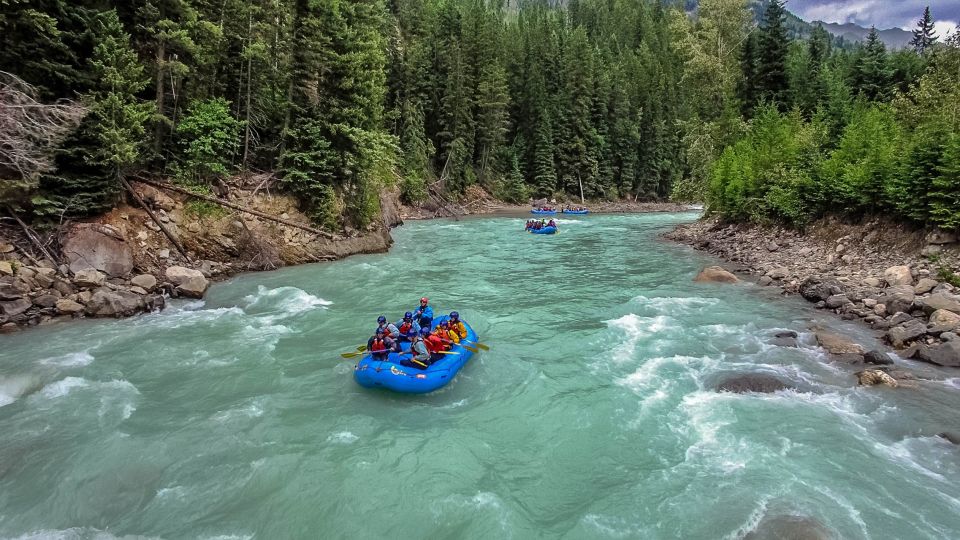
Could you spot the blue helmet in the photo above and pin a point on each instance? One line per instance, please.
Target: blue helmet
(454, 315)
(408, 315)
(424, 331)
(381, 319)
(379, 331)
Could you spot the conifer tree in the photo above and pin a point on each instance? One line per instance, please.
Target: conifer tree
(923, 35)
(871, 72)
(772, 55)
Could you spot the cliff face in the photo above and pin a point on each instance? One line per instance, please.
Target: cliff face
(121, 262)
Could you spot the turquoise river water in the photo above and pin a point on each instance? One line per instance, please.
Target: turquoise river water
(592, 416)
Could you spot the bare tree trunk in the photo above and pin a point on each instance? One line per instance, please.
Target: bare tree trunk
(160, 59)
(246, 137)
(166, 232)
(580, 181)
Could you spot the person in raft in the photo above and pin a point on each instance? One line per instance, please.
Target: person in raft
(418, 348)
(380, 345)
(456, 325)
(389, 329)
(424, 313)
(552, 223)
(435, 344)
(405, 324)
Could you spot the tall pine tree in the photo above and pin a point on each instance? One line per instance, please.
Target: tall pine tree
(923, 35)
(772, 55)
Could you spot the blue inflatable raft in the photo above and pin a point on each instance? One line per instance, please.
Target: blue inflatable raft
(577, 212)
(545, 230)
(391, 374)
(544, 212)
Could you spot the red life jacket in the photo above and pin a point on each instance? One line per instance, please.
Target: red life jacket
(405, 327)
(378, 345)
(433, 343)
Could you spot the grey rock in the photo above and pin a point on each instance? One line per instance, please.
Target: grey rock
(88, 278)
(107, 303)
(816, 289)
(900, 318)
(944, 354)
(11, 308)
(12, 288)
(837, 300)
(784, 341)
(6, 269)
(772, 246)
(899, 298)
(879, 358)
(786, 333)
(871, 282)
(943, 321)
(790, 527)
(949, 336)
(953, 438)
(68, 307)
(144, 281)
(925, 285)
(46, 300)
(940, 300)
(898, 276)
(837, 344)
(779, 273)
(908, 331)
(752, 382)
(100, 247)
(942, 237)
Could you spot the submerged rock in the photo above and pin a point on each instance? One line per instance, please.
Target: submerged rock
(953, 438)
(752, 382)
(879, 358)
(715, 274)
(873, 377)
(789, 527)
(837, 344)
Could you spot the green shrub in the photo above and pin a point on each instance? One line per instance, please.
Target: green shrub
(210, 138)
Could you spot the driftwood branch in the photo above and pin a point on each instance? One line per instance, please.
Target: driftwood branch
(32, 236)
(166, 232)
(236, 207)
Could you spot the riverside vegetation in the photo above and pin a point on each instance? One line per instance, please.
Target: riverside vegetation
(342, 105)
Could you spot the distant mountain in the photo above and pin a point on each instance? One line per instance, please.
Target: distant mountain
(894, 38)
(846, 34)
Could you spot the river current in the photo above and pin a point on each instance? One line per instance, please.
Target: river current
(592, 415)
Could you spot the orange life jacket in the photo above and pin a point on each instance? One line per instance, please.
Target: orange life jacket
(378, 345)
(405, 327)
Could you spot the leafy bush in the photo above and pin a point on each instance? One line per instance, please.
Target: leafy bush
(210, 137)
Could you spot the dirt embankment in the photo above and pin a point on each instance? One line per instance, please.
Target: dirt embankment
(902, 282)
(121, 263)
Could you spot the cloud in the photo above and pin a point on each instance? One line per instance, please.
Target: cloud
(879, 13)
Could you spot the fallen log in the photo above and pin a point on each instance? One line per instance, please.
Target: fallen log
(166, 232)
(236, 207)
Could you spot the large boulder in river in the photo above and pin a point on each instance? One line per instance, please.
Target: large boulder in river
(119, 303)
(752, 382)
(189, 282)
(898, 276)
(715, 274)
(873, 377)
(837, 344)
(101, 247)
(816, 289)
(145, 281)
(944, 354)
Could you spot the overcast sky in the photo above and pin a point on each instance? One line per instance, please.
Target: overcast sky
(879, 13)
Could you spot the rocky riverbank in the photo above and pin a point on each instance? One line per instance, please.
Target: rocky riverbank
(477, 201)
(903, 283)
(122, 263)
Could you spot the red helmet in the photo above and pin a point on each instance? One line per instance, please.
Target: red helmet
(424, 300)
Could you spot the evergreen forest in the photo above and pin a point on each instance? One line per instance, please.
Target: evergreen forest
(611, 99)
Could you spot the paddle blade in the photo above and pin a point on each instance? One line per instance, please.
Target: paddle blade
(483, 347)
(471, 349)
(350, 354)
(361, 348)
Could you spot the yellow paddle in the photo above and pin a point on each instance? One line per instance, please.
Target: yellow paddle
(478, 344)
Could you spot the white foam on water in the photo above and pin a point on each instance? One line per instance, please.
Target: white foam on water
(671, 304)
(753, 520)
(342, 437)
(613, 527)
(63, 387)
(637, 329)
(13, 387)
(289, 300)
(75, 359)
(78, 533)
(252, 410)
